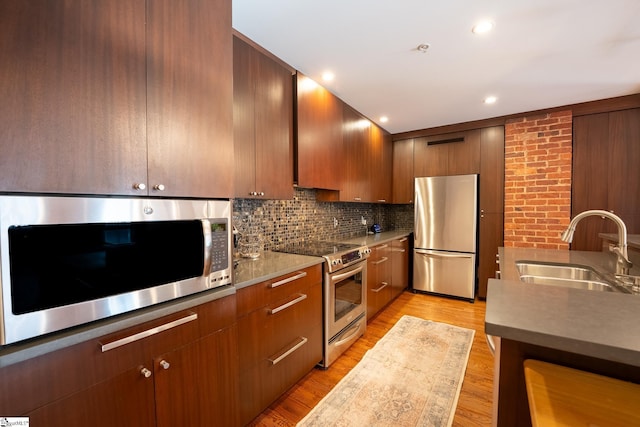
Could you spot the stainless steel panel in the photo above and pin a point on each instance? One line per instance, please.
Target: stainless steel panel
(333, 325)
(446, 213)
(449, 273)
(343, 340)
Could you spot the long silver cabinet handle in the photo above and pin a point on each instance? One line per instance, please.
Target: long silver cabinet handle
(383, 259)
(300, 275)
(302, 297)
(303, 341)
(381, 247)
(404, 239)
(384, 285)
(149, 332)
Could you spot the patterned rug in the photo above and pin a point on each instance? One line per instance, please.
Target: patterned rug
(411, 377)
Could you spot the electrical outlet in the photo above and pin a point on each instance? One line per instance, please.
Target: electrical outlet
(335, 222)
(363, 221)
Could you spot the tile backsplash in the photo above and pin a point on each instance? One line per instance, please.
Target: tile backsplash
(281, 222)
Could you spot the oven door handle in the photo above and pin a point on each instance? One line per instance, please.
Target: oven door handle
(339, 277)
(355, 329)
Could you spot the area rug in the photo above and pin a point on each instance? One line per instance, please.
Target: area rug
(411, 377)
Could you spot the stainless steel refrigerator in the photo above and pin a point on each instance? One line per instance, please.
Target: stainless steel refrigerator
(445, 235)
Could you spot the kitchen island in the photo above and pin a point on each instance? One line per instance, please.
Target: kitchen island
(588, 330)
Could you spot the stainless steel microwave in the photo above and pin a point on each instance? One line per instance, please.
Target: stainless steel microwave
(66, 261)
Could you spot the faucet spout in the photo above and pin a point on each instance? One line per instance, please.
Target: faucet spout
(623, 264)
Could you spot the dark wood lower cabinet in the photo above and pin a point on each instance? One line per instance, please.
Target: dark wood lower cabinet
(491, 232)
(399, 266)
(185, 375)
(279, 337)
(379, 270)
(127, 399)
(387, 274)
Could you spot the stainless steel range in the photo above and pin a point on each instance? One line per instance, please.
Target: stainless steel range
(345, 293)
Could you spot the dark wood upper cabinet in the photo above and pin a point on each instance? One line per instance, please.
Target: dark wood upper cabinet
(73, 114)
(380, 164)
(101, 96)
(403, 187)
(366, 160)
(491, 198)
(464, 157)
(449, 154)
(355, 174)
(190, 98)
(605, 173)
(430, 159)
(319, 136)
(263, 125)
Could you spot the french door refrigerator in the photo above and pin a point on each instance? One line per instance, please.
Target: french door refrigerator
(445, 235)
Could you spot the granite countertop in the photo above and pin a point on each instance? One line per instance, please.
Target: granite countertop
(379, 238)
(269, 265)
(598, 324)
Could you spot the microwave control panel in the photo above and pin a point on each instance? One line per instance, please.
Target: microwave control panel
(219, 273)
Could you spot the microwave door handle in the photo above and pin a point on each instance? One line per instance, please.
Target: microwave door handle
(339, 277)
(206, 232)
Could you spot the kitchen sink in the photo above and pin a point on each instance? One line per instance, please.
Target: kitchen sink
(592, 285)
(567, 275)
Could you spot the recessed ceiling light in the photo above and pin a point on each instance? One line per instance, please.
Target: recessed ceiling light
(384, 119)
(423, 47)
(490, 100)
(482, 27)
(328, 76)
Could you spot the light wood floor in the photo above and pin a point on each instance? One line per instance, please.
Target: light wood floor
(474, 405)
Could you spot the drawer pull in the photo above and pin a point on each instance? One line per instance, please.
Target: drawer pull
(381, 247)
(144, 334)
(302, 341)
(302, 297)
(383, 259)
(145, 372)
(300, 275)
(384, 285)
(404, 239)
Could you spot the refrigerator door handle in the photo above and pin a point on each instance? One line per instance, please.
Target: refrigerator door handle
(443, 254)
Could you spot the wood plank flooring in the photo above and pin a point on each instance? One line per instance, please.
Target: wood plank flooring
(474, 405)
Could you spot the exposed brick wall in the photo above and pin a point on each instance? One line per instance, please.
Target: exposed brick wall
(537, 180)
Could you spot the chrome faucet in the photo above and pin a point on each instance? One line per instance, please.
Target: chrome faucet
(623, 264)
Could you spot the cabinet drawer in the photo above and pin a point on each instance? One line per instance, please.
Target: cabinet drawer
(266, 330)
(265, 381)
(271, 291)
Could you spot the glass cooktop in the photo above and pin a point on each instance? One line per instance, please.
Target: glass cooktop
(317, 248)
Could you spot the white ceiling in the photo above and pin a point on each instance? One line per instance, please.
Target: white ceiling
(540, 54)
